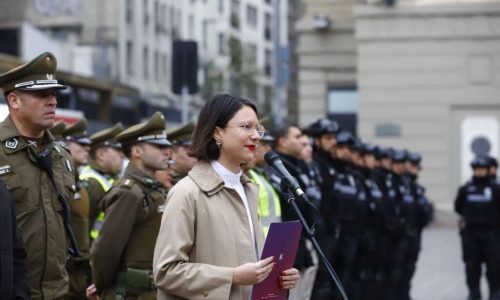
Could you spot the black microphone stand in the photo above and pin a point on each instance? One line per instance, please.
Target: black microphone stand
(286, 187)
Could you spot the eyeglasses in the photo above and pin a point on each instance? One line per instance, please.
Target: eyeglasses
(249, 128)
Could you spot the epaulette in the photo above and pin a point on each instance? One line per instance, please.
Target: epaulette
(127, 183)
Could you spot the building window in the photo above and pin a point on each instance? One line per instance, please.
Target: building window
(129, 11)
(235, 14)
(222, 44)
(165, 66)
(251, 16)
(268, 62)
(251, 53)
(163, 18)
(191, 27)
(221, 7)
(130, 59)
(157, 66)
(342, 105)
(145, 62)
(146, 14)
(268, 25)
(157, 13)
(176, 23)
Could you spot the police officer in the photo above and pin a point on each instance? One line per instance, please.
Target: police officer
(323, 132)
(122, 255)
(288, 146)
(104, 165)
(181, 140)
(269, 203)
(372, 265)
(39, 174)
(76, 140)
(478, 204)
(493, 167)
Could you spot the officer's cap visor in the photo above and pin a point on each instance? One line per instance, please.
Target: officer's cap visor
(83, 140)
(160, 142)
(185, 143)
(40, 87)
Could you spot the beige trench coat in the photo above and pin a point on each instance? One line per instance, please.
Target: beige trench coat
(204, 235)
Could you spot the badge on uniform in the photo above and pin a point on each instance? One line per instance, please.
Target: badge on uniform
(11, 143)
(5, 169)
(160, 209)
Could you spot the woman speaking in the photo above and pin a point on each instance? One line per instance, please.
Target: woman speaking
(210, 238)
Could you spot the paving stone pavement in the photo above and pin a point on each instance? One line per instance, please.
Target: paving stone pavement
(440, 270)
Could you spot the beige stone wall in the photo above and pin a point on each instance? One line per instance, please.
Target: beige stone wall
(425, 68)
(326, 57)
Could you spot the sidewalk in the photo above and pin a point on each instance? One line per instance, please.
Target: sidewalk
(440, 271)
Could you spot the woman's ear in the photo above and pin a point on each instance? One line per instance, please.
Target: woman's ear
(217, 137)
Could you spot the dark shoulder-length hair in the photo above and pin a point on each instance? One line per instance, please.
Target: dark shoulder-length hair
(216, 113)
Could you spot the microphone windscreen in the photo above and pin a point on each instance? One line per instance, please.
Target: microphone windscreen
(270, 157)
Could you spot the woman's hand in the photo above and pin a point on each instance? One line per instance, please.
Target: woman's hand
(288, 279)
(253, 273)
(92, 292)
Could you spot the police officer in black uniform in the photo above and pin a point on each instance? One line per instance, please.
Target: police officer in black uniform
(288, 146)
(347, 208)
(478, 204)
(324, 133)
(372, 268)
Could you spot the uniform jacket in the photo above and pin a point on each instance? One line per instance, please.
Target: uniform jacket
(478, 203)
(38, 211)
(204, 235)
(133, 209)
(13, 283)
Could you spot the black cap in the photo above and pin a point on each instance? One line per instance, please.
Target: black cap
(267, 138)
(414, 158)
(369, 149)
(398, 156)
(356, 145)
(492, 161)
(480, 162)
(345, 138)
(322, 126)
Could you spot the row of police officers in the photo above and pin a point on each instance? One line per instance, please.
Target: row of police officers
(83, 226)
(89, 226)
(88, 231)
(365, 202)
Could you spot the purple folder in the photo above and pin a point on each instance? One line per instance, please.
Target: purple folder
(282, 242)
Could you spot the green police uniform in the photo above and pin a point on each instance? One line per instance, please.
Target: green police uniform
(122, 255)
(79, 268)
(180, 137)
(99, 181)
(39, 211)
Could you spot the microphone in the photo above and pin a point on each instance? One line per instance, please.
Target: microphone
(274, 161)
